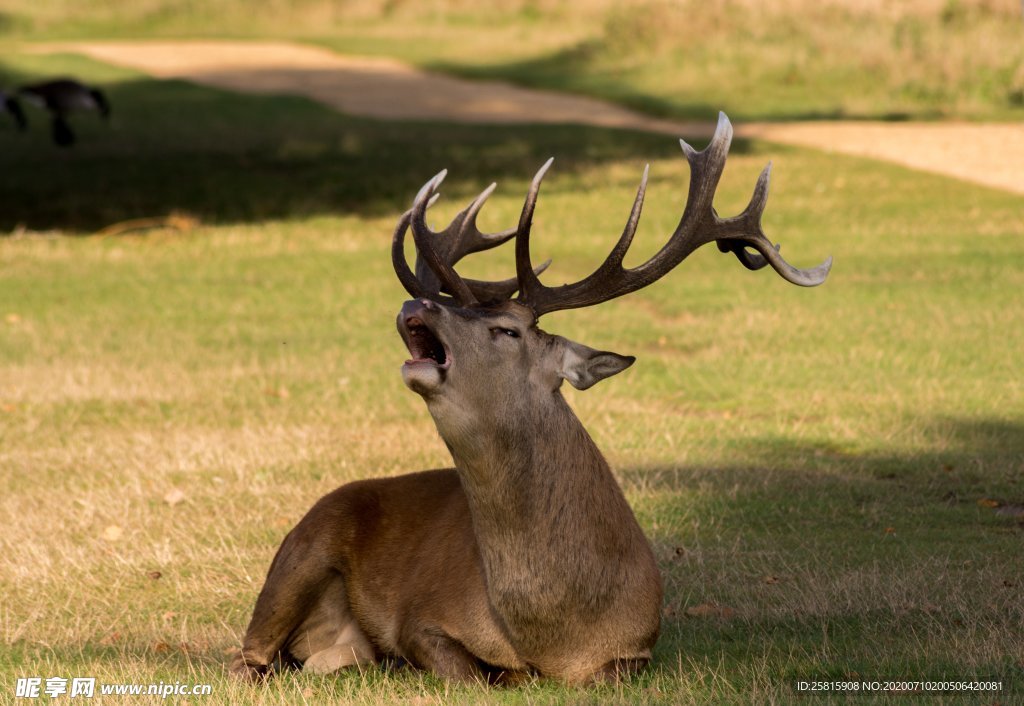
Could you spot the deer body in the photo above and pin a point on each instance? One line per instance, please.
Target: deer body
(525, 558)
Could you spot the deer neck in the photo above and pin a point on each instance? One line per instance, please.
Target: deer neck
(551, 523)
(513, 470)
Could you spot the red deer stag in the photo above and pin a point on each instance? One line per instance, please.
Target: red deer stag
(525, 558)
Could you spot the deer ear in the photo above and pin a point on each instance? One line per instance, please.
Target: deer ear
(584, 367)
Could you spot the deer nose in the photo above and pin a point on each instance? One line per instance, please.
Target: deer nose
(417, 308)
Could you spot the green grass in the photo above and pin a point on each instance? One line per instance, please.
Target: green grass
(791, 60)
(812, 460)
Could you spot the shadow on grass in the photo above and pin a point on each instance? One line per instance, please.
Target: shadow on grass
(974, 455)
(969, 484)
(865, 547)
(226, 157)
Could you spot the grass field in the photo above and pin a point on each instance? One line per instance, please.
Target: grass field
(829, 477)
(784, 60)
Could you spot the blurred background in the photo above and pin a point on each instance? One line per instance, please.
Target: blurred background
(781, 60)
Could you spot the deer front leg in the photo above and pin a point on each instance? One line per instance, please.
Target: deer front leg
(295, 585)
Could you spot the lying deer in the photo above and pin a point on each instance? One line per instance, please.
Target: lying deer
(525, 557)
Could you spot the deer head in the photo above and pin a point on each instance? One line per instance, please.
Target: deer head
(472, 350)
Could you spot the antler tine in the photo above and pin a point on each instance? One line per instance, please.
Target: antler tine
(440, 266)
(699, 224)
(752, 261)
(469, 239)
(405, 275)
(409, 280)
(735, 234)
(430, 187)
(613, 263)
(460, 238)
(529, 285)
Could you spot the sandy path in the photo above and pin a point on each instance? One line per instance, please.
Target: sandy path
(990, 154)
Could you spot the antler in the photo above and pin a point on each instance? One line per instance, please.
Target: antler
(438, 251)
(700, 224)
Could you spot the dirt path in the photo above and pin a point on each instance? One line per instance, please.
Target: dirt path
(990, 154)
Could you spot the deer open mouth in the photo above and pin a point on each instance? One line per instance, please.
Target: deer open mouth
(424, 346)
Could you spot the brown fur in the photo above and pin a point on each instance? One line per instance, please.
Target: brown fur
(525, 558)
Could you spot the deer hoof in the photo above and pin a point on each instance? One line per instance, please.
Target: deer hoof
(248, 671)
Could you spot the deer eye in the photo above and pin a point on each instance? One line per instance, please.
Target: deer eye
(511, 333)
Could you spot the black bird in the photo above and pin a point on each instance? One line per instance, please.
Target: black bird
(63, 96)
(9, 104)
